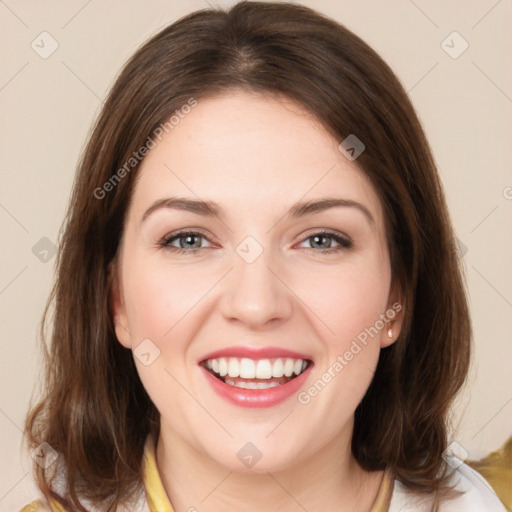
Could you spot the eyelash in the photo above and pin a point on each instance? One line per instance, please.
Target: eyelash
(344, 243)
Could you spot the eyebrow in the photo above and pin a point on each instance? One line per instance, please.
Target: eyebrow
(297, 210)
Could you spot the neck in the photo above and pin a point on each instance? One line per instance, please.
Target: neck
(194, 482)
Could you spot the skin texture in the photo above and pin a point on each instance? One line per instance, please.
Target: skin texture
(255, 155)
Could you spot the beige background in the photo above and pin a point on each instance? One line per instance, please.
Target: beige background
(48, 105)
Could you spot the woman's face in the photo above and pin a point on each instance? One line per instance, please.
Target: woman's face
(257, 288)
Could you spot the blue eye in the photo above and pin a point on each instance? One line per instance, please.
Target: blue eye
(321, 236)
(190, 242)
(187, 242)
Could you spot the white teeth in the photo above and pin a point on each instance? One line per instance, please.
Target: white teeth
(233, 367)
(246, 368)
(288, 367)
(223, 367)
(251, 385)
(278, 368)
(264, 369)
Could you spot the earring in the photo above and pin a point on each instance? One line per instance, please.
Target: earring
(390, 333)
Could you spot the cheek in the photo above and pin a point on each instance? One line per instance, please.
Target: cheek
(346, 298)
(355, 298)
(159, 297)
(160, 305)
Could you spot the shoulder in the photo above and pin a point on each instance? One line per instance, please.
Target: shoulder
(41, 506)
(475, 495)
(136, 502)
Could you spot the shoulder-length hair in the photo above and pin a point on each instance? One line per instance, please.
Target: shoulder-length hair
(94, 410)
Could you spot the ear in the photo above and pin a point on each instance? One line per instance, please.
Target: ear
(117, 306)
(395, 314)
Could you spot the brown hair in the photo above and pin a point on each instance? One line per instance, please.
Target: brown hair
(94, 410)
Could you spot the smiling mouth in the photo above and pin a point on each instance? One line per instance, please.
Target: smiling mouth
(255, 373)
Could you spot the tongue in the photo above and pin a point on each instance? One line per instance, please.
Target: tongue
(279, 380)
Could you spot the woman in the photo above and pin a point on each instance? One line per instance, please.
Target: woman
(206, 353)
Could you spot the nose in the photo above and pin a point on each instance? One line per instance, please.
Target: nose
(255, 293)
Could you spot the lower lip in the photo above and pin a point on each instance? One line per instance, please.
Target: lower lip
(256, 398)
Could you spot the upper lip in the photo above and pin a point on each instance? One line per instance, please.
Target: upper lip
(255, 353)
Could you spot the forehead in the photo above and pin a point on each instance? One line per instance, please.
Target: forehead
(251, 152)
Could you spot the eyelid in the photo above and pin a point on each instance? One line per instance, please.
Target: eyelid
(344, 242)
(325, 231)
(164, 241)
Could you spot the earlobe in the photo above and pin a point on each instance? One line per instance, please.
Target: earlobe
(392, 330)
(117, 307)
(395, 315)
(390, 335)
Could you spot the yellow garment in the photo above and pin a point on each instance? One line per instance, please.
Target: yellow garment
(159, 502)
(155, 492)
(38, 506)
(496, 468)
